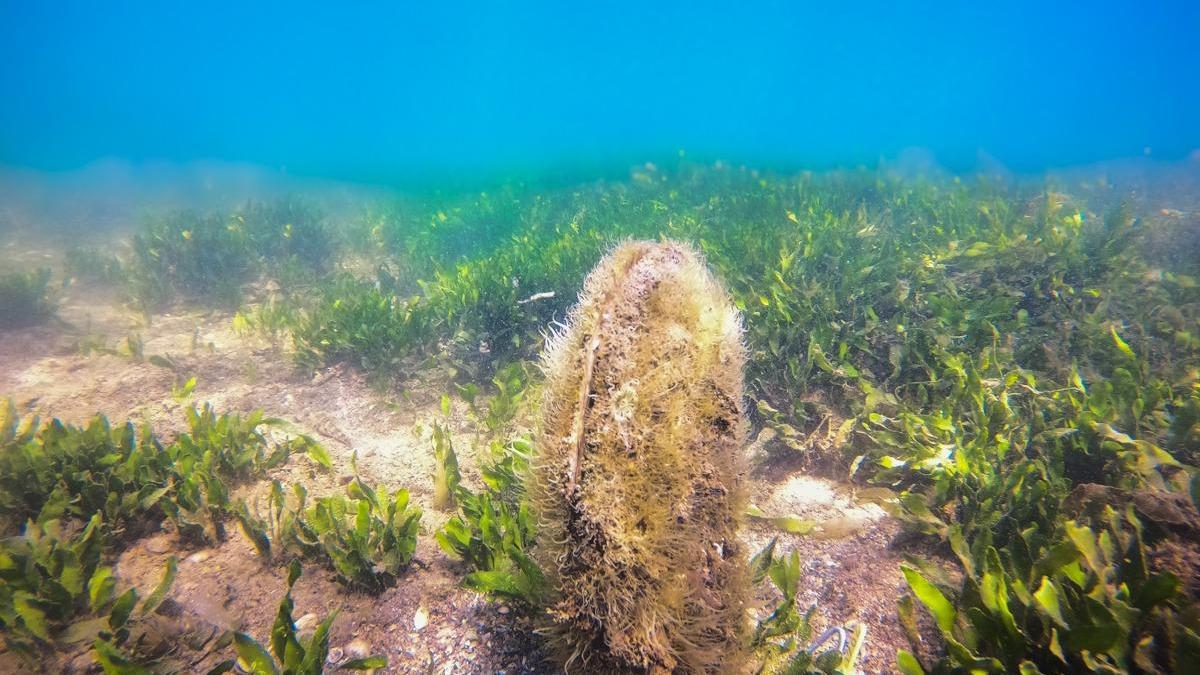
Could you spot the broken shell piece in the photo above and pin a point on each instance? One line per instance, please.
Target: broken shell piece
(358, 649)
(420, 618)
(306, 623)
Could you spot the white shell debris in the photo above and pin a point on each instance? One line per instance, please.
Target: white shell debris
(420, 618)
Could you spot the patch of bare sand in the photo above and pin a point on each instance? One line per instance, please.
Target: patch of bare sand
(851, 569)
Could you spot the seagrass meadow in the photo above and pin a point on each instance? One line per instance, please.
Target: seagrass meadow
(872, 422)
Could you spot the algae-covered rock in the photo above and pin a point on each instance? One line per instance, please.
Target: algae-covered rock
(639, 480)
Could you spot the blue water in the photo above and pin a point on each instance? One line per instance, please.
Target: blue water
(393, 91)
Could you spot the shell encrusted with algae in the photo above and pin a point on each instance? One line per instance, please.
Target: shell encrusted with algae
(639, 481)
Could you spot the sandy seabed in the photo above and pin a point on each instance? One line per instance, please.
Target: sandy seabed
(426, 622)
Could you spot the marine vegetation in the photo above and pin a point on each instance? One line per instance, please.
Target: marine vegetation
(494, 531)
(979, 348)
(1011, 367)
(92, 263)
(368, 537)
(511, 382)
(447, 480)
(83, 493)
(25, 298)
(54, 588)
(55, 470)
(362, 323)
(190, 255)
(783, 638)
(209, 257)
(290, 653)
(289, 234)
(638, 480)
